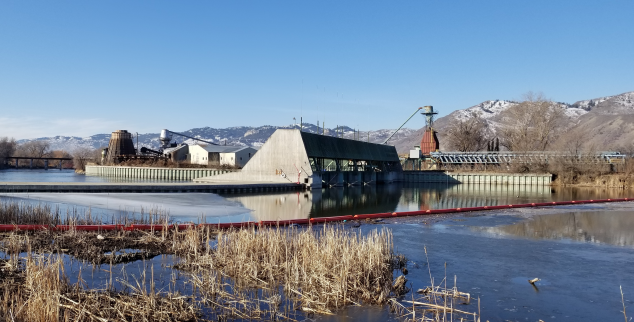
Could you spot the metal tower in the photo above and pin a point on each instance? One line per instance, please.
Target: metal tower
(429, 113)
(429, 142)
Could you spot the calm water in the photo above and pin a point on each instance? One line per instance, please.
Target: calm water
(56, 175)
(581, 253)
(213, 208)
(580, 279)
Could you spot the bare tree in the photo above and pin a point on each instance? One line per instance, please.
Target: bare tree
(531, 125)
(61, 154)
(7, 147)
(573, 143)
(33, 149)
(81, 156)
(468, 134)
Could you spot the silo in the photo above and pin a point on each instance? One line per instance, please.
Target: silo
(120, 145)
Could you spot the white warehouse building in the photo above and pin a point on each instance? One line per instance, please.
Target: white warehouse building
(221, 155)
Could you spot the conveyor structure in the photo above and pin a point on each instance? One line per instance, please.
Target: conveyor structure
(456, 158)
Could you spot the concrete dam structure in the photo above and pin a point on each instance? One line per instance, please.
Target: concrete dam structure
(502, 179)
(292, 156)
(152, 173)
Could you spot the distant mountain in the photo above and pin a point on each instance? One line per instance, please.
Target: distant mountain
(604, 122)
(241, 135)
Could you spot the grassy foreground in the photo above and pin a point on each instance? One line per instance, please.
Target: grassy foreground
(257, 273)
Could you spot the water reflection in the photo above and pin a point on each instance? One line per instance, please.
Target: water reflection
(613, 227)
(442, 196)
(320, 203)
(212, 208)
(388, 198)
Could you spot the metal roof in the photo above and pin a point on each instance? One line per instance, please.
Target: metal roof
(174, 149)
(328, 147)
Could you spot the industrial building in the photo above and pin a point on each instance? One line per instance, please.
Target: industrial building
(120, 146)
(315, 160)
(220, 155)
(419, 157)
(178, 153)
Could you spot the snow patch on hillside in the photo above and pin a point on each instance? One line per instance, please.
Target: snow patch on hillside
(486, 109)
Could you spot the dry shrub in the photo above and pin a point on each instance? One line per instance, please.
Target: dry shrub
(577, 170)
(320, 269)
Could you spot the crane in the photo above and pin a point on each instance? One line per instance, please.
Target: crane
(418, 109)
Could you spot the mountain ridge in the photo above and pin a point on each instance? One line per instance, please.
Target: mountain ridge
(583, 116)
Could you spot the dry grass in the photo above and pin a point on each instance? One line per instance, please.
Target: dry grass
(320, 270)
(17, 213)
(435, 303)
(249, 274)
(25, 213)
(42, 294)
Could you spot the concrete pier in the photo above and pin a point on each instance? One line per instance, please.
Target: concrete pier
(172, 174)
(83, 187)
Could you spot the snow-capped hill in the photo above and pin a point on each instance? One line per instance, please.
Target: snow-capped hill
(617, 110)
(625, 99)
(587, 105)
(486, 109)
(608, 105)
(72, 143)
(490, 110)
(616, 105)
(239, 136)
(573, 112)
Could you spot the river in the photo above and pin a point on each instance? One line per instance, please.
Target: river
(581, 253)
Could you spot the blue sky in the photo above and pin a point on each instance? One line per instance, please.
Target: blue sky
(87, 67)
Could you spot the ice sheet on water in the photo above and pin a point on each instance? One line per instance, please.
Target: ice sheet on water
(181, 207)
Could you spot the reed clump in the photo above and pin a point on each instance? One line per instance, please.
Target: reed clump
(434, 304)
(14, 212)
(319, 269)
(18, 213)
(43, 294)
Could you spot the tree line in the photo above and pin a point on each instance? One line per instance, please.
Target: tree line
(42, 149)
(538, 124)
(534, 124)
